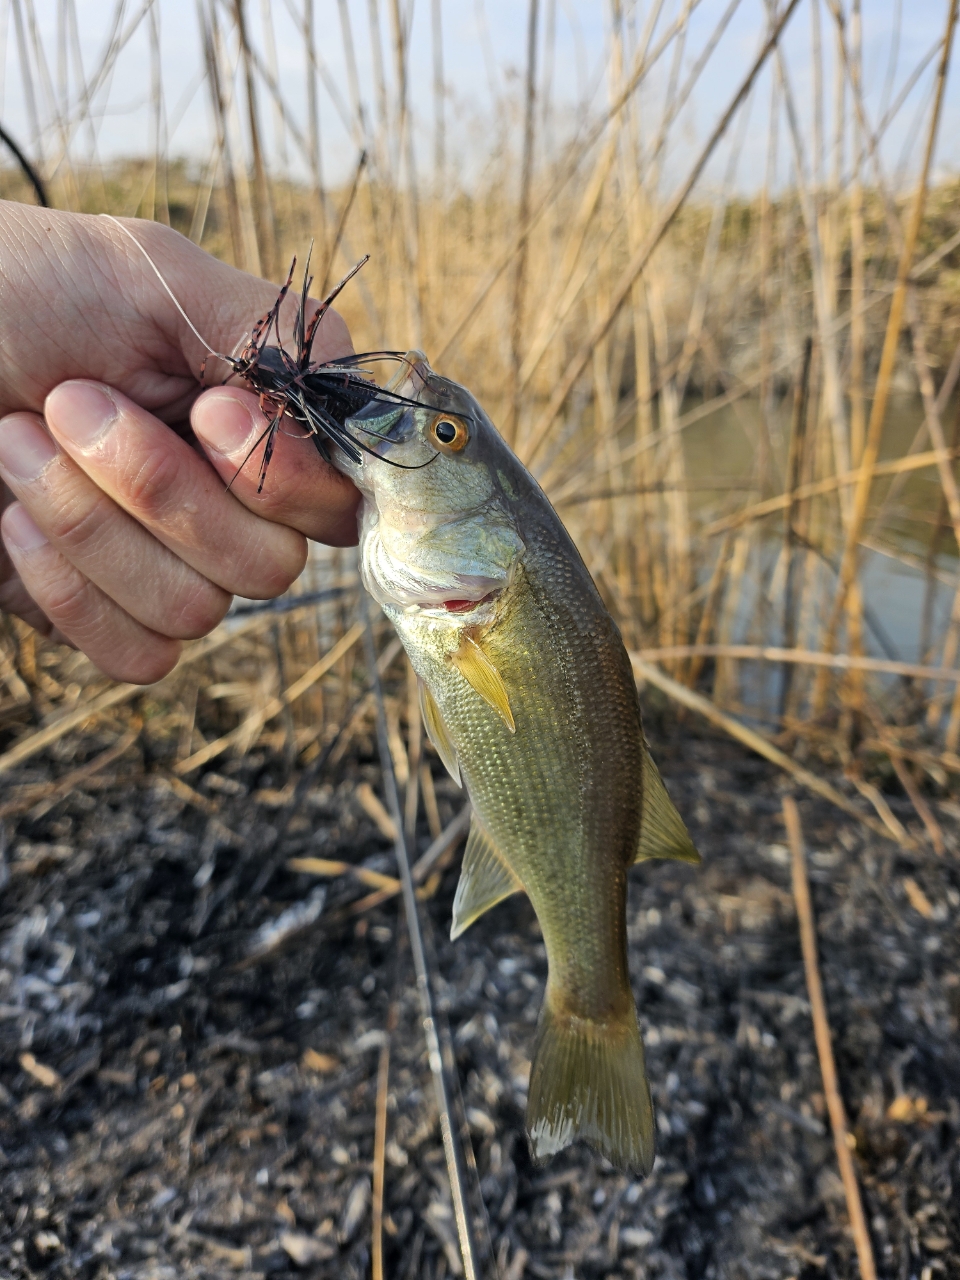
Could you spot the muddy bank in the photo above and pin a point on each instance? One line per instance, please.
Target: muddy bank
(169, 1108)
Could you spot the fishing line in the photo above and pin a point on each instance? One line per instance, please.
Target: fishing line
(451, 1149)
(286, 604)
(173, 297)
(450, 1062)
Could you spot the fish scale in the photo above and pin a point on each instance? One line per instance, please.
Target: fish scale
(529, 690)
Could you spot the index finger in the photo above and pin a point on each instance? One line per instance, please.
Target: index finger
(169, 489)
(300, 489)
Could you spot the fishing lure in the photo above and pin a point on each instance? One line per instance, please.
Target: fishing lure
(321, 396)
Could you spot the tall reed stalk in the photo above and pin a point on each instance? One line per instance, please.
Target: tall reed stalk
(701, 374)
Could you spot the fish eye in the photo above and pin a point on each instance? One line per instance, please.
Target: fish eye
(448, 434)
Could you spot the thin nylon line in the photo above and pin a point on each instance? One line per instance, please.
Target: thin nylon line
(193, 328)
(448, 1131)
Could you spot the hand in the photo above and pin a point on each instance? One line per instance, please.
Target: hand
(120, 537)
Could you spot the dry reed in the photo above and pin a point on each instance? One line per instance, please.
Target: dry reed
(843, 1139)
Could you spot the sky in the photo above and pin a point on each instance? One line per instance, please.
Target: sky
(484, 56)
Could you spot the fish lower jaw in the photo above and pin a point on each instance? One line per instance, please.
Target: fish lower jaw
(457, 609)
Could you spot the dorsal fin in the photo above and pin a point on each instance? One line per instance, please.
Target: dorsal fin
(485, 879)
(479, 672)
(437, 732)
(662, 833)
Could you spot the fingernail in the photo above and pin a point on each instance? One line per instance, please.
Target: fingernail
(81, 411)
(25, 448)
(224, 423)
(20, 530)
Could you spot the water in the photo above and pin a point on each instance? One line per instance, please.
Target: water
(723, 448)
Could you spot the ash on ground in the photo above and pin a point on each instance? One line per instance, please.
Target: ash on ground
(172, 1107)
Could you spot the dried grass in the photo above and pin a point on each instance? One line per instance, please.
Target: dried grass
(602, 318)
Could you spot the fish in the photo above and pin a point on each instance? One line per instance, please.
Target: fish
(528, 696)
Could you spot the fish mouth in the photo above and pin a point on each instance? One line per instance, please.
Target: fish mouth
(431, 588)
(466, 606)
(439, 605)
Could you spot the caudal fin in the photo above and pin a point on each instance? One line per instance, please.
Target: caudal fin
(588, 1081)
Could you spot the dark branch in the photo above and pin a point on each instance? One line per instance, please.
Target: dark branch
(31, 173)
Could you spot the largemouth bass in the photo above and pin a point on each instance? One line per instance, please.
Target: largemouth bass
(528, 696)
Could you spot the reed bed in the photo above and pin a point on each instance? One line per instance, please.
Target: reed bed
(626, 321)
(744, 406)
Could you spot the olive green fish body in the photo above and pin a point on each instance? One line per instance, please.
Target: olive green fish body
(560, 796)
(529, 696)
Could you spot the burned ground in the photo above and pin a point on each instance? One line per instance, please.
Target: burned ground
(169, 1109)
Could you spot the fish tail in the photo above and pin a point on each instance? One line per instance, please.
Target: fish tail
(588, 1081)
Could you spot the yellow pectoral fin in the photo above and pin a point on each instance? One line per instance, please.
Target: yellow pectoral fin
(485, 879)
(662, 833)
(479, 672)
(437, 732)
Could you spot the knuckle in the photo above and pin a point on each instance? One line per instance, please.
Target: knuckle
(151, 485)
(268, 567)
(77, 528)
(68, 598)
(279, 568)
(279, 494)
(198, 613)
(146, 662)
(139, 659)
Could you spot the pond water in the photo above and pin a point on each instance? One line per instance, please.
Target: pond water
(723, 448)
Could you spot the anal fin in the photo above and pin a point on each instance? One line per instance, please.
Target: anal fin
(437, 732)
(485, 879)
(662, 833)
(480, 673)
